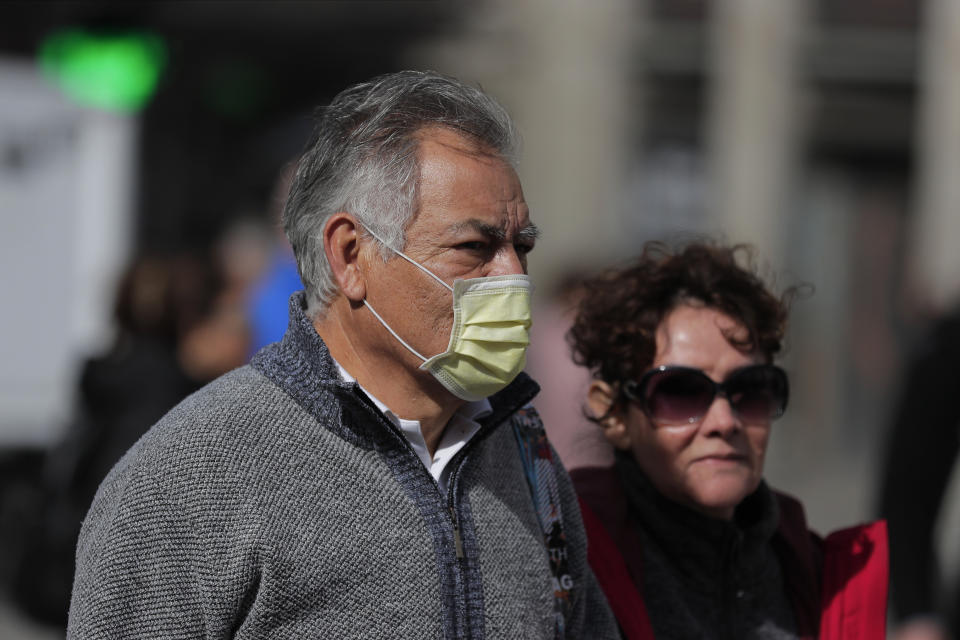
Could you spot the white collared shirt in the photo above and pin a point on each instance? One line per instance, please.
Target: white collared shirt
(463, 425)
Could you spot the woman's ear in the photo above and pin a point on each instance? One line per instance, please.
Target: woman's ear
(602, 400)
(342, 248)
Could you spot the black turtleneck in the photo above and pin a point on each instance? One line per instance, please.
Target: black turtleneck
(707, 578)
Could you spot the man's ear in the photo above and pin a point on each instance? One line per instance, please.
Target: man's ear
(602, 400)
(341, 245)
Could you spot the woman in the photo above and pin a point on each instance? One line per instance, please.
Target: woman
(686, 538)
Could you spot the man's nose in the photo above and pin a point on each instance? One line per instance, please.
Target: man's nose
(508, 262)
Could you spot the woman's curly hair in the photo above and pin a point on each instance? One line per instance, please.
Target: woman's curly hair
(614, 334)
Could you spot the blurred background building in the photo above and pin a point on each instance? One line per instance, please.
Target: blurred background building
(825, 132)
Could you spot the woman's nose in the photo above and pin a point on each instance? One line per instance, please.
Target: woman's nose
(720, 417)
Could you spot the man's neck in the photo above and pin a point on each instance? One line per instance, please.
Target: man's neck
(386, 370)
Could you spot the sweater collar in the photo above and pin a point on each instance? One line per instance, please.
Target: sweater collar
(302, 365)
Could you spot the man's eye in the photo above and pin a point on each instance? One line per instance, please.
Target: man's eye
(473, 246)
(523, 249)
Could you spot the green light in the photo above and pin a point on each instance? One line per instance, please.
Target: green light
(117, 72)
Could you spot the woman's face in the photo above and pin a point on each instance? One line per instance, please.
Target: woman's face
(713, 464)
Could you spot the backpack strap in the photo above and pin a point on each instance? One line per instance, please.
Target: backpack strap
(540, 470)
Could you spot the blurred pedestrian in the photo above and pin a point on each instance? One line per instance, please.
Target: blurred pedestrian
(922, 452)
(160, 301)
(266, 305)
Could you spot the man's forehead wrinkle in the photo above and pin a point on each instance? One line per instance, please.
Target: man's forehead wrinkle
(459, 142)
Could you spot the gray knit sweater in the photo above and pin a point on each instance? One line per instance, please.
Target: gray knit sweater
(277, 502)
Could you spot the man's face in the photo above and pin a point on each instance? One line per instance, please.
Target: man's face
(472, 221)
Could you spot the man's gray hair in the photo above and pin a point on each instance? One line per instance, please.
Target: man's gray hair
(362, 159)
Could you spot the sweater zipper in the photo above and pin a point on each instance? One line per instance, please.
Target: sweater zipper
(451, 508)
(457, 541)
(455, 463)
(461, 574)
(461, 563)
(454, 468)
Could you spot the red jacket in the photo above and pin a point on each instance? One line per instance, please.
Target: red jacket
(845, 598)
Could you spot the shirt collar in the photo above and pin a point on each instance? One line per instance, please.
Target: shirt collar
(475, 411)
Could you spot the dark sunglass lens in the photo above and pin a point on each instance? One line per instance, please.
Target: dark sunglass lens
(758, 394)
(678, 396)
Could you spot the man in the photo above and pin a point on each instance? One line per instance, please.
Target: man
(373, 475)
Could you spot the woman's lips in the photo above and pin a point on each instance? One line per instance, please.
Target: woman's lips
(722, 457)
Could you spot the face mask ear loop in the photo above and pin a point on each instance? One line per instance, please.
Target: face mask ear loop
(392, 332)
(402, 255)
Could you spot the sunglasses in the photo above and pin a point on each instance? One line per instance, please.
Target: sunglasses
(683, 395)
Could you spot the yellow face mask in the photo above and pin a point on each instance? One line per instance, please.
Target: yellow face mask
(489, 337)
